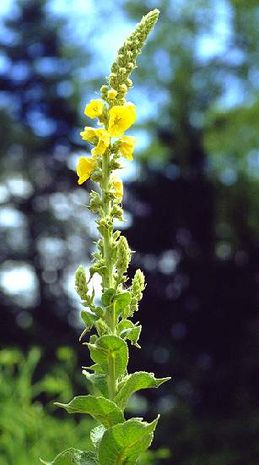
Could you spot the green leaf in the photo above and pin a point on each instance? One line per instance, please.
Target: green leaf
(101, 327)
(107, 297)
(129, 330)
(95, 367)
(121, 302)
(98, 383)
(74, 457)
(133, 335)
(122, 444)
(96, 435)
(99, 311)
(110, 350)
(103, 410)
(88, 318)
(135, 382)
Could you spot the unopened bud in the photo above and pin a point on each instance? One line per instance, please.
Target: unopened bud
(123, 255)
(104, 89)
(112, 94)
(117, 212)
(95, 201)
(137, 288)
(123, 88)
(96, 175)
(81, 283)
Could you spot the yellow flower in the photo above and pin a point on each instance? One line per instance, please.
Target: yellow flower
(118, 187)
(103, 142)
(121, 118)
(84, 168)
(94, 108)
(88, 134)
(127, 144)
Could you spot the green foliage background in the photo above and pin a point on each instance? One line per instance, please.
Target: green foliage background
(30, 428)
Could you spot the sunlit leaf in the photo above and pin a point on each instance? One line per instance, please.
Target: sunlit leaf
(123, 443)
(110, 351)
(135, 382)
(103, 410)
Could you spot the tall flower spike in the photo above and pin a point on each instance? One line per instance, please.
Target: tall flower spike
(125, 62)
(116, 440)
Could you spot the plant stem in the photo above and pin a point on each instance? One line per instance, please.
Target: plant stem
(108, 277)
(107, 235)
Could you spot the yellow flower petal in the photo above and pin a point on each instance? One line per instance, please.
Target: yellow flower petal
(84, 168)
(121, 117)
(103, 142)
(88, 134)
(94, 108)
(118, 187)
(127, 144)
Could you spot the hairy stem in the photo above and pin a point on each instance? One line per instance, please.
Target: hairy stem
(107, 234)
(108, 276)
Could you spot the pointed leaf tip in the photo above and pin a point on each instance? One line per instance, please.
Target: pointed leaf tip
(103, 410)
(135, 382)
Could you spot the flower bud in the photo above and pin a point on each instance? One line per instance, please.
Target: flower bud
(104, 90)
(123, 88)
(138, 284)
(123, 256)
(115, 165)
(112, 93)
(137, 288)
(117, 212)
(81, 286)
(95, 201)
(96, 175)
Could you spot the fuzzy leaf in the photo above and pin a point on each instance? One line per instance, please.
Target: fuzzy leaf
(133, 335)
(129, 330)
(96, 435)
(123, 443)
(98, 383)
(88, 318)
(108, 296)
(73, 457)
(101, 327)
(103, 410)
(135, 382)
(121, 302)
(109, 350)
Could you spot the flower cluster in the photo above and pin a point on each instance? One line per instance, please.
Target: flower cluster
(113, 113)
(115, 120)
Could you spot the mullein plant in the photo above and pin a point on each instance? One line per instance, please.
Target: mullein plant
(116, 441)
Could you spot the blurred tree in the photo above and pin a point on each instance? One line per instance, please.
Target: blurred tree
(195, 226)
(40, 241)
